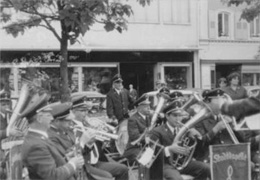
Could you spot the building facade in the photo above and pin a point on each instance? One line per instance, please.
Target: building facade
(161, 43)
(228, 43)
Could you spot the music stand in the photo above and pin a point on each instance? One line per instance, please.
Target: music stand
(149, 153)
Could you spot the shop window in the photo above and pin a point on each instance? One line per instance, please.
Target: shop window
(248, 79)
(176, 77)
(48, 78)
(6, 79)
(255, 27)
(97, 78)
(223, 24)
(251, 79)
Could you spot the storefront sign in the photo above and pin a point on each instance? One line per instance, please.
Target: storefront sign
(230, 162)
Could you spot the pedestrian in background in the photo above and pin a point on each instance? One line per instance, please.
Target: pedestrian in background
(222, 82)
(234, 89)
(132, 92)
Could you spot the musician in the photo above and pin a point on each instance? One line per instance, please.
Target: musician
(118, 101)
(39, 154)
(213, 129)
(136, 126)
(5, 104)
(241, 108)
(93, 150)
(166, 134)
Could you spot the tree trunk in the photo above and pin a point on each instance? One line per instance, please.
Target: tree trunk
(64, 86)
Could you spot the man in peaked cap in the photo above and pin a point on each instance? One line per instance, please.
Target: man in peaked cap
(62, 135)
(175, 95)
(166, 134)
(213, 129)
(136, 126)
(118, 100)
(101, 169)
(39, 154)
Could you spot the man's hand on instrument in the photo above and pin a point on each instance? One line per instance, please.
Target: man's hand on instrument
(88, 138)
(15, 132)
(70, 154)
(77, 161)
(193, 133)
(175, 148)
(219, 127)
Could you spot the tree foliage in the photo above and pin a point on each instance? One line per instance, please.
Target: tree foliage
(74, 16)
(251, 11)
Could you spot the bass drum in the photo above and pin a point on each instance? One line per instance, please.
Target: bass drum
(123, 137)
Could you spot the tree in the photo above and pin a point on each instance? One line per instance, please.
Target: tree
(251, 11)
(74, 16)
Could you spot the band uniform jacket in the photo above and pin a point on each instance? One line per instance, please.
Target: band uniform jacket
(3, 126)
(136, 126)
(118, 104)
(165, 137)
(209, 138)
(43, 161)
(242, 108)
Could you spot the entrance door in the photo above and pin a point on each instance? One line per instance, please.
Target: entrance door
(176, 75)
(138, 74)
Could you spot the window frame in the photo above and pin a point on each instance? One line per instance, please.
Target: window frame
(230, 24)
(254, 24)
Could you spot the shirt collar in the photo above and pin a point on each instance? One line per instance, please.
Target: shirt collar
(118, 91)
(39, 132)
(170, 127)
(2, 114)
(143, 116)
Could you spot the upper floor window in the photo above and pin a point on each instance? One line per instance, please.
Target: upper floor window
(255, 27)
(144, 14)
(223, 24)
(175, 11)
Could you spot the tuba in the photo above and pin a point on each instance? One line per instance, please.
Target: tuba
(180, 161)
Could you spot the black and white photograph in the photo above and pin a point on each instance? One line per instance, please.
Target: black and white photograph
(129, 89)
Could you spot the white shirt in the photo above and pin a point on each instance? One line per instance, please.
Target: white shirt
(143, 116)
(166, 149)
(118, 91)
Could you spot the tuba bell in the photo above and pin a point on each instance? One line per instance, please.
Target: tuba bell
(180, 161)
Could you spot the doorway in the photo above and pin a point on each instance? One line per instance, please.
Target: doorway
(138, 74)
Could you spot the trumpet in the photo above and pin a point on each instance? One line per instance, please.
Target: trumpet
(99, 135)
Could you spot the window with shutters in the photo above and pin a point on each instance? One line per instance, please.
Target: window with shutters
(255, 27)
(224, 24)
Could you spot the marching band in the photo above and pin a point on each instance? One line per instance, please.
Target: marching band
(56, 141)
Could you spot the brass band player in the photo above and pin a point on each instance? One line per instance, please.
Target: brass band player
(39, 154)
(137, 124)
(214, 131)
(93, 153)
(166, 134)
